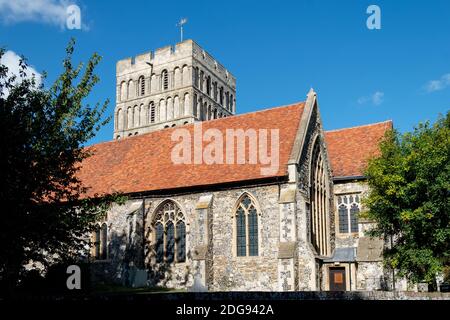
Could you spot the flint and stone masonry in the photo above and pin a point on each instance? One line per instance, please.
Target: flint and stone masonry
(301, 245)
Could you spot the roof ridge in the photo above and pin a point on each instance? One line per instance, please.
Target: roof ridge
(257, 111)
(360, 126)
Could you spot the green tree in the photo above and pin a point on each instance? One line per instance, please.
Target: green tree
(409, 199)
(45, 214)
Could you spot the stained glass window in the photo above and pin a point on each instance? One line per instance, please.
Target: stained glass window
(246, 228)
(348, 210)
(170, 244)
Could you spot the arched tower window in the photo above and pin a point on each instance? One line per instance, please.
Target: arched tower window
(170, 233)
(176, 107)
(136, 116)
(215, 90)
(201, 80)
(185, 75)
(231, 103)
(123, 91)
(246, 226)
(319, 202)
(196, 76)
(204, 113)
(152, 112)
(195, 106)
(120, 119)
(162, 110)
(165, 80)
(142, 85)
(129, 117)
(209, 113)
(177, 77)
(130, 89)
(208, 85)
(187, 104)
(221, 96)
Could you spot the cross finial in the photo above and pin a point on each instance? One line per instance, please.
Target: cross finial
(180, 24)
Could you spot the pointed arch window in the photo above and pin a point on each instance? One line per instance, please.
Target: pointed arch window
(170, 233)
(348, 209)
(319, 195)
(247, 232)
(99, 240)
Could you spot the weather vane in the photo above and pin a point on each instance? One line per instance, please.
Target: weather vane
(180, 24)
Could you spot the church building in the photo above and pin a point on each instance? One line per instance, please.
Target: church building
(242, 225)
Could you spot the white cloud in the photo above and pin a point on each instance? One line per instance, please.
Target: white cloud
(376, 98)
(44, 11)
(440, 84)
(11, 60)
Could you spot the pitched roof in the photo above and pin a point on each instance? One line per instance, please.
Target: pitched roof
(350, 148)
(143, 162)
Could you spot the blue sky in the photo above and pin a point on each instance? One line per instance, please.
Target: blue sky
(276, 49)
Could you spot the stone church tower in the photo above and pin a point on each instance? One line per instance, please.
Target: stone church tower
(169, 87)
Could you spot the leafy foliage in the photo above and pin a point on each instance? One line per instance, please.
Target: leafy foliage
(45, 214)
(410, 199)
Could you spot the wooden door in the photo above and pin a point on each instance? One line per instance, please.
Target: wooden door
(337, 279)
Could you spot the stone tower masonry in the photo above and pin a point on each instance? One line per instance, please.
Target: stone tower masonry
(170, 87)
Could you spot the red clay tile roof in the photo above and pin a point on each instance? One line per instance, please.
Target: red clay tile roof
(143, 162)
(350, 148)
